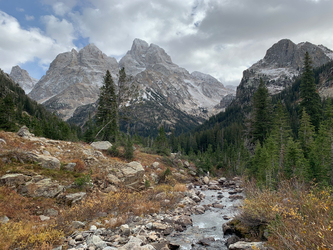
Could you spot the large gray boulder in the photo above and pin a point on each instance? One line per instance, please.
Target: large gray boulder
(131, 174)
(101, 145)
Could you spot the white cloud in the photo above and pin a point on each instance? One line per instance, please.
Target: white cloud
(61, 8)
(18, 45)
(60, 30)
(29, 18)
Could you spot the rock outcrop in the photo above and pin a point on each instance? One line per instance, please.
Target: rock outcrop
(23, 78)
(278, 69)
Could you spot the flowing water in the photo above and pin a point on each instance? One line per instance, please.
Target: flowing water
(208, 224)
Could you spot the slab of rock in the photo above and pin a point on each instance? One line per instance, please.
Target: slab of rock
(71, 199)
(101, 145)
(45, 161)
(43, 188)
(186, 164)
(242, 245)
(14, 180)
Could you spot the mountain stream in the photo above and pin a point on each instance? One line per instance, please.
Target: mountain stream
(206, 232)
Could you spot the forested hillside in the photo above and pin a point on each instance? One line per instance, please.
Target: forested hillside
(285, 135)
(17, 109)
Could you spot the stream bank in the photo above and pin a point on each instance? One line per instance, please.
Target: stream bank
(195, 224)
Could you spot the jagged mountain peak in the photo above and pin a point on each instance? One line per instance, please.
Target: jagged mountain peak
(22, 77)
(282, 62)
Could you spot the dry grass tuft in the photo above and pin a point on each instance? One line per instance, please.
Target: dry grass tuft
(298, 217)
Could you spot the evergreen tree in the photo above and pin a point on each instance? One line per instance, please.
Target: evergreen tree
(7, 113)
(310, 98)
(89, 134)
(262, 113)
(306, 134)
(107, 110)
(161, 142)
(129, 151)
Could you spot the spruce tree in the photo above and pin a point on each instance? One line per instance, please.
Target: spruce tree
(310, 98)
(262, 113)
(107, 110)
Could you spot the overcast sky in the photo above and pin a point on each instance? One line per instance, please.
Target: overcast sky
(217, 37)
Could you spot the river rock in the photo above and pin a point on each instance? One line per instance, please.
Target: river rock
(135, 243)
(205, 180)
(96, 241)
(101, 145)
(242, 245)
(186, 164)
(199, 209)
(184, 221)
(206, 241)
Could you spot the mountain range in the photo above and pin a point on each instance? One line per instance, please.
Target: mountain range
(172, 96)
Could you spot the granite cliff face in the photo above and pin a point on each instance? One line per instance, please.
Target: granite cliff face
(23, 78)
(195, 94)
(281, 64)
(73, 79)
(71, 85)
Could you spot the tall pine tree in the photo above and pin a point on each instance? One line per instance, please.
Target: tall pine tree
(310, 98)
(107, 110)
(262, 113)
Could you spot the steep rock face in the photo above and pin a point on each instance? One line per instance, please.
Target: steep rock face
(282, 62)
(23, 78)
(73, 79)
(153, 70)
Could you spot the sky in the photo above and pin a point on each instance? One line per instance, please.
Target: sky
(217, 37)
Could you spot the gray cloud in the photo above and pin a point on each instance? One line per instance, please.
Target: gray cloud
(218, 37)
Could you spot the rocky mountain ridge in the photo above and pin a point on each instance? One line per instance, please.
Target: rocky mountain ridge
(278, 69)
(74, 78)
(23, 78)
